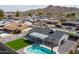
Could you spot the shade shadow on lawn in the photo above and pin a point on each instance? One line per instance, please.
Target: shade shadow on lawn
(29, 42)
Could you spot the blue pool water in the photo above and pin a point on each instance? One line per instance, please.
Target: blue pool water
(40, 50)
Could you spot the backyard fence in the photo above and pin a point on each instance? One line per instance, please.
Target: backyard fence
(6, 50)
(13, 37)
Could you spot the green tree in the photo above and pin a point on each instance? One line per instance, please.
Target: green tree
(30, 14)
(49, 14)
(17, 31)
(62, 20)
(68, 15)
(39, 14)
(1, 14)
(71, 15)
(17, 14)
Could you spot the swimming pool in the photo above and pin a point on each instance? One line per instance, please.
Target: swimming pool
(39, 50)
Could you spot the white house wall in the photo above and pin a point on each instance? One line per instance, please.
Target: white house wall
(63, 37)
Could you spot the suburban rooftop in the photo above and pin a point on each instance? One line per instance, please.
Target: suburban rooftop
(55, 35)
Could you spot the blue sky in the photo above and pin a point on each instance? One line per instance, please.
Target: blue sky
(26, 7)
(20, 7)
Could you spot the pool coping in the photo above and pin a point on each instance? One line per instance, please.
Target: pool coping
(25, 51)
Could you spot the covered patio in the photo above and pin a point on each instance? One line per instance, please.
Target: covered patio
(38, 37)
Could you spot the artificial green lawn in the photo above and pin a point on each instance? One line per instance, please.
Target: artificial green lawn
(19, 43)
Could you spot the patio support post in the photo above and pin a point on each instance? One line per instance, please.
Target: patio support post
(51, 46)
(43, 41)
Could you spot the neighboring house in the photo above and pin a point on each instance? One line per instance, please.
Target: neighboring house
(9, 16)
(3, 23)
(69, 25)
(48, 21)
(17, 18)
(15, 26)
(77, 16)
(73, 22)
(25, 21)
(43, 16)
(45, 21)
(35, 17)
(68, 46)
(76, 23)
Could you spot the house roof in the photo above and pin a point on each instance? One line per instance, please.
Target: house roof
(14, 26)
(63, 49)
(55, 35)
(4, 22)
(74, 22)
(11, 26)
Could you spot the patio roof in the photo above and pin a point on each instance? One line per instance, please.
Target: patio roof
(38, 35)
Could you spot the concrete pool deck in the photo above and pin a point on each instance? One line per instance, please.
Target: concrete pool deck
(21, 51)
(24, 51)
